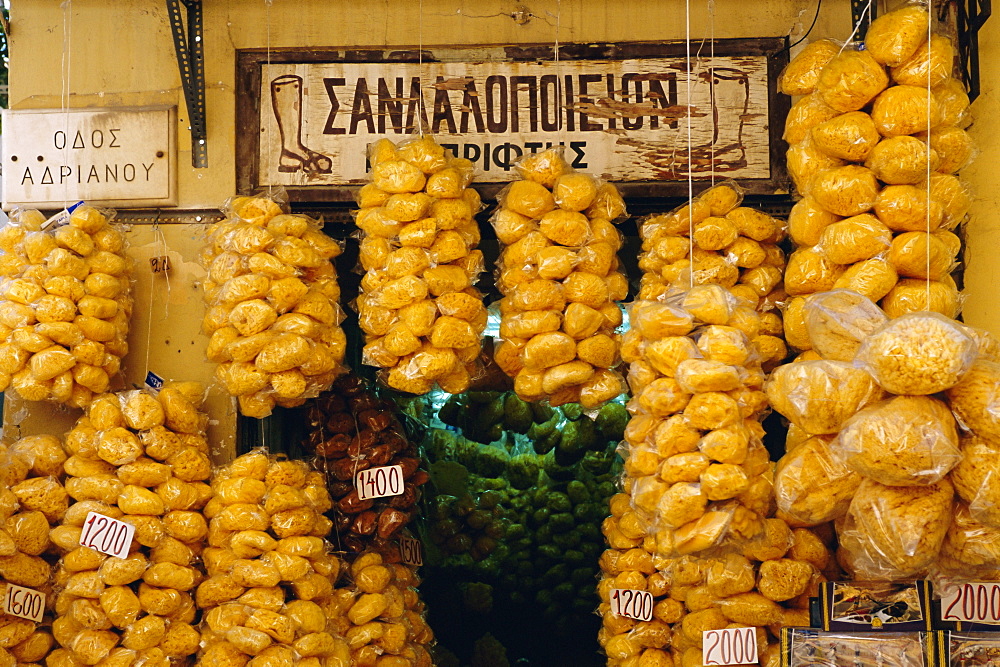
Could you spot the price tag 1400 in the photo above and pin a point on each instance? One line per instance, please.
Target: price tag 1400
(971, 602)
(379, 482)
(732, 646)
(411, 551)
(632, 604)
(107, 535)
(24, 603)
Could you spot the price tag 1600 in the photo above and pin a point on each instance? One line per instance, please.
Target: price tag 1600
(971, 602)
(107, 535)
(732, 646)
(24, 603)
(632, 604)
(379, 482)
(411, 551)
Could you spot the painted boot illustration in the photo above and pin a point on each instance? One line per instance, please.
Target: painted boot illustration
(286, 100)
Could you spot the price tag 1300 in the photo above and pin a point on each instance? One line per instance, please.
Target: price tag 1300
(632, 604)
(732, 646)
(379, 482)
(971, 602)
(411, 551)
(107, 535)
(24, 603)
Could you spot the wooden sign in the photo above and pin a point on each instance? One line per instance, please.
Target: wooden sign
(111, 157)
(626, 112)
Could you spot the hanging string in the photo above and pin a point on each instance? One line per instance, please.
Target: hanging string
(690, 173)
(272, 129)
(67, 61)
(559, 76)
(711, 84)
(420, 68)
(927, 242)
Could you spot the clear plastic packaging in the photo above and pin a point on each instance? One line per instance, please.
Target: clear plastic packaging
(838, 321)
(819, 396)
(918, 353)
(561, 282)
(153, 455)
(273, 305)
(883, 649)
(851, 80)
(901, 160)
(65, 296)
(850, 136)
(975, 479)
(811, 485)
(845, 191)
(896, 532)
(805, 114)
(931, 64)
(912, 295)
(895, 36)
(352, 429)
(802, 73)
(904, 441)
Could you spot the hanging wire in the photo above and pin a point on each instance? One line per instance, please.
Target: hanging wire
(272, 129)
(865, 16)
(711, 84)
(67, 61)
(819, 3)
(559, 76)
(927, 242)
(420, 68)
(690, 173)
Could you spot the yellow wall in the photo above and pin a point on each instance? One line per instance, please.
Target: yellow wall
(121, 51)
(982, 272)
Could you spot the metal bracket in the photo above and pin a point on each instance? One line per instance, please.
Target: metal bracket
(971, 16)
(191, 62)
(862, 16)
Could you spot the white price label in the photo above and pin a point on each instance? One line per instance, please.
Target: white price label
(732, 646)
(973, 602)
(411, 551)
(107, 535)
(632, 604)
(24, 603)
(379, 482)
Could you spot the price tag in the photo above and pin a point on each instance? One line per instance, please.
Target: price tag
(62, 217)
(159, 264)
(153, 382)
(632, 604)
(379, 482)
(972, 602)
(107, 535)
(24, 603)
(732, 646)
(411, 551)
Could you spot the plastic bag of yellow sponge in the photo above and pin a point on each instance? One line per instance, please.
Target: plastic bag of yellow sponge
(273, 314)
(65, 304)
(561, 283)
(141, 459)
(423, 319)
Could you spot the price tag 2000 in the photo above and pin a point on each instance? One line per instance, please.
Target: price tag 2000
(971, 602)
(24, 603)
(379, 482)
(632, 604)
(107, 535)
(411, 551)
(732, 646)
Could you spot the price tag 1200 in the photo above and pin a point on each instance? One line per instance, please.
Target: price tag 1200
(411, 551)
(24, 603)
(632, 604)
(732, 646)
(107, 535)
(379, 482)
(971, 602)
